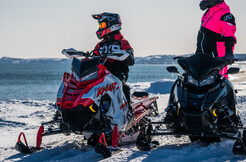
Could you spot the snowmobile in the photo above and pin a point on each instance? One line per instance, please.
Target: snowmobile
(202, 105)
(91, 102)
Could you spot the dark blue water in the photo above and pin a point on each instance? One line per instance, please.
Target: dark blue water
(40, 81)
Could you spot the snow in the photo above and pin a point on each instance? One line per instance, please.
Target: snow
(19, 115)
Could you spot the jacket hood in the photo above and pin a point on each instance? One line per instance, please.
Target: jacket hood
(220, 6)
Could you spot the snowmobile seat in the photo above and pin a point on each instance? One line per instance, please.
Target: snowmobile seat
(140, 94)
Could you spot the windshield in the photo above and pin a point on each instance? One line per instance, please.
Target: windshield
(85, 67)
(200, 65)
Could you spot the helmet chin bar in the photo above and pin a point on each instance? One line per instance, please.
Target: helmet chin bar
(209, 3)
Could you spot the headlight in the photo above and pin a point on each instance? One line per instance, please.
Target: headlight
(192, 81)
(89, 76)
(209, 80)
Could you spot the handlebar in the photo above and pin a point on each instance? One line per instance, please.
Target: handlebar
(70, 53)
(228, 61)
(179, 57)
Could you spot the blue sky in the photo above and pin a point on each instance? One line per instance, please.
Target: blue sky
(42, 28)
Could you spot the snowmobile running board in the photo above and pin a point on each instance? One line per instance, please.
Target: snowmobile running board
(171, 132)
(185, 133)
(144, 139)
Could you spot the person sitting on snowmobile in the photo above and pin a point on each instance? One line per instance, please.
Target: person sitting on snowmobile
(216, 35)
(113, 42)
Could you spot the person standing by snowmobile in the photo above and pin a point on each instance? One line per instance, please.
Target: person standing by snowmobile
(216, 35)
(113, 42)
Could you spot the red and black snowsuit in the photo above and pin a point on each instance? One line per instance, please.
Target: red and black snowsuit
(113, 42)
(216, 35)
(116, 41)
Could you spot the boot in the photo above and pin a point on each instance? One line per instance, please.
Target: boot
(172, 115)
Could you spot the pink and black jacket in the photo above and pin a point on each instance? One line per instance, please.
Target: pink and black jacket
(216, 35)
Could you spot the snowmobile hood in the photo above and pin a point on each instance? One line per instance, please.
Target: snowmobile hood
(200, 65)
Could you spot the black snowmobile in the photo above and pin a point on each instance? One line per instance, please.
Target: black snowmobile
(202, 105)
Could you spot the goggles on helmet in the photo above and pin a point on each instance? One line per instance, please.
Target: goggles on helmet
(102, 25)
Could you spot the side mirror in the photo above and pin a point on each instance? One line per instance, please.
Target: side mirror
(179, 57)
(172, 69)
(233, 70)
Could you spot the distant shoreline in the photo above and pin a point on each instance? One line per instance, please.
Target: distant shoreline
(152, 59)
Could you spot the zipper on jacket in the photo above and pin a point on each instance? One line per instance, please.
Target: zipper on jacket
(203, 35)
(213, 54)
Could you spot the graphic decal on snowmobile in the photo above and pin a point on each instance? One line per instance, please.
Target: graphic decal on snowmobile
(101, 91)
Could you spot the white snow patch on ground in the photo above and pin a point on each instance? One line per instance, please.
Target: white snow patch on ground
(17, 116)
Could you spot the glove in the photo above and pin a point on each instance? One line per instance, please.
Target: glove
(119, 55)
(230, 57)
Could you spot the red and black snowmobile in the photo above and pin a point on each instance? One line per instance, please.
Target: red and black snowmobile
(91, 102)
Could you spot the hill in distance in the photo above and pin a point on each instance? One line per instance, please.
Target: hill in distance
(152, 59)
